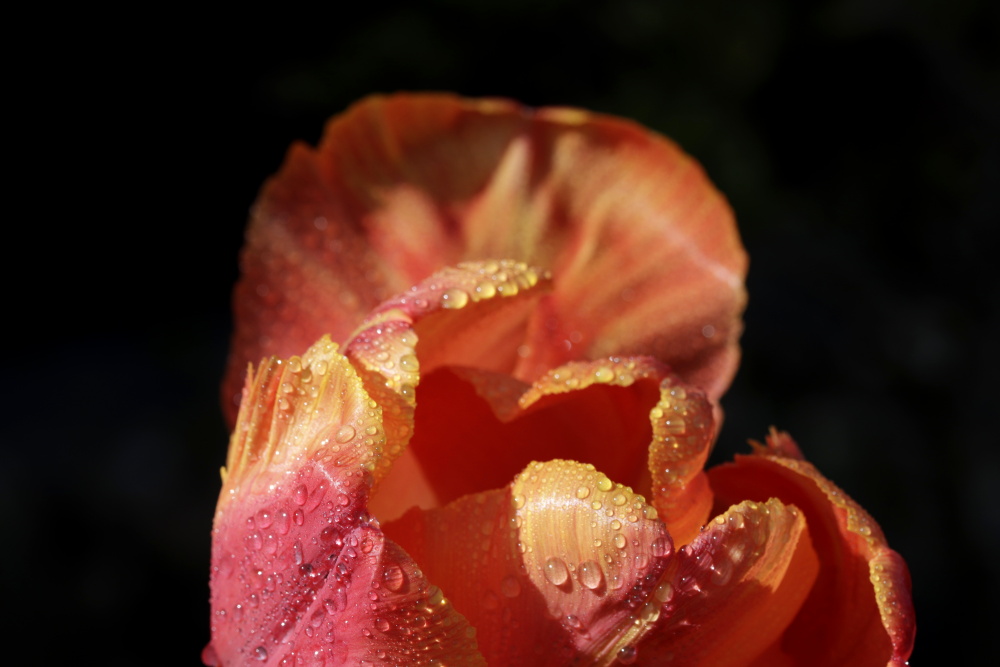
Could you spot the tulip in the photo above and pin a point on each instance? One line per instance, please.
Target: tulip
(494, 341)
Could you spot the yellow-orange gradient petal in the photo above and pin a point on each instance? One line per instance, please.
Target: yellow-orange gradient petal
(729, 594)
(550, 569)
(860, 610)
(299, 570)
(644, 250)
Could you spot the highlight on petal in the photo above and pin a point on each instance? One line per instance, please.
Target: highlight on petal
(550, 569)
(644, 250)
(300, 572)
(729, 595)
(860, 608)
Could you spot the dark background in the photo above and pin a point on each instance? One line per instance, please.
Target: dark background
(858, 142)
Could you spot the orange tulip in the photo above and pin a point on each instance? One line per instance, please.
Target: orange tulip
(502, 462)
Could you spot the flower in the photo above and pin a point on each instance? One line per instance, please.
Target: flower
(560, 293)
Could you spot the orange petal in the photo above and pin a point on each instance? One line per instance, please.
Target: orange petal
(860, 610)
(729, 594)
(464, 446)
(299, 568)
(644, 249)
(472, 314)
(550, 568)
(683, 435)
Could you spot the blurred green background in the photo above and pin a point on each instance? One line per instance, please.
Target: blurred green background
(858, 143)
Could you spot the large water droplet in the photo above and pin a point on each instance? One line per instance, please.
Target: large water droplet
(590, 575)
(260, 653)
(454, 298)
(556, 571)
(393, 577)
(345, 433)
(409, 363)
(627, 655)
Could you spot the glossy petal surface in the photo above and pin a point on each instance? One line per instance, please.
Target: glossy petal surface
(732, 591)
(300, 571)
(550, 569)
(860, 609)
(645, 251)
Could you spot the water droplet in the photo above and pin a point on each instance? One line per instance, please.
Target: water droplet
(604, 374)
(345, 433)
(582, 492)
(555, 571)
(590, 574)
(320, 367)
(264, 518)
(260, 653)
(298, 517)
(454, 298)
(518, 501)
(604, 484)
(300, 494)
(664, 592)
(486, 290)
(510, 587)
(393, 577)
(382, 625)
(409, 363)
(660, 547)
(619, 541)
(619, 499)
(627, 655)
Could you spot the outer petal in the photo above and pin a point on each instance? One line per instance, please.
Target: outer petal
(300, 572)
(550, 569)
(730, 593)
(860, 610)
(645, 250)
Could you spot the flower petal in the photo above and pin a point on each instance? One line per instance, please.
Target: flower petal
(645, 250)
(472, 314)
(464, 445)
(860, 609)
(683, 435)
(549, 568)
(300, 571)
(731, 592)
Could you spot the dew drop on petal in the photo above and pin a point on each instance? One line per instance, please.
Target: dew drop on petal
(345, 433)
(555, 571)
(627, 655)
(454, 298)
(604, 374)
(393, 578)
(409, 363)
(590, 575)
